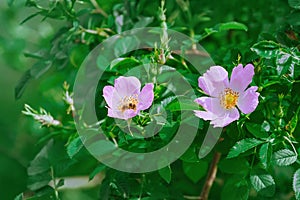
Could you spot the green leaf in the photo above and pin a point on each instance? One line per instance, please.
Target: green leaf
(195, 171)
(97, 170)
(263, 183)
(20, 88)
(265, 154)
(294, 4)
(296, 184)
(190, 155)
(165, 173)
(234, 166)
(143, 22)
(256, 130)
(74, 147)
(19, 197)
(10, 2)
(235, 188)
(38, 181)
(266, 49)
(232, 26)
(284, 157)
(243, 146)
(291, 126)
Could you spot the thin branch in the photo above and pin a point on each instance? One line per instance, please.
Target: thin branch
(98, 8)
(210, 177)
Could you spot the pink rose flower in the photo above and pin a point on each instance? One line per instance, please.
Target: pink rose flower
(226, 96)
(126, 99)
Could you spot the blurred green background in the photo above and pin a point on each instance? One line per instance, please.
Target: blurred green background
(18, 135)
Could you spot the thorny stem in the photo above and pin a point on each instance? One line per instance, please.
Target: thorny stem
(210, 177)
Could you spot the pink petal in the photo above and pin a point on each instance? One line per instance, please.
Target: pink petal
(230, 116)
(121, 115)
(217, 74)
(205, 115)
(108, 94)
(214, 81)
(146, 97)
(212, 105)
(241, 77)
(248, 100)
(127, 86)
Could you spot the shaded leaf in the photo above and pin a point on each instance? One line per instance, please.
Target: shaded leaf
(294, 4)
(235, 188)
(234, 166)
(20, 88)
(296, 184)
(195, 171)
(165, 173)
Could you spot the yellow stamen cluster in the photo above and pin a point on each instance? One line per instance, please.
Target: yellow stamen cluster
(129, 103)
(229, 98)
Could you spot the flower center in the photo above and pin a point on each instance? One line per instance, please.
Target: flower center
(129, 103)
(229, 98)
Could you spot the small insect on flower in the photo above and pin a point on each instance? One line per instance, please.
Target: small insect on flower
(126, 99)
(225, 96)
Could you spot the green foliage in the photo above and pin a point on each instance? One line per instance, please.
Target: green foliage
(255, 149)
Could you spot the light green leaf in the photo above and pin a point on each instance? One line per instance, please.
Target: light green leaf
(195, 171)
(296, 184)
(263, 183)
(232, 26)
(97, 170)
(265, 154)
(266, 49)
(74, 147)
(165, 173)
(243, 146)
(284, 157)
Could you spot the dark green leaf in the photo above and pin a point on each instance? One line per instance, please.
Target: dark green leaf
(38, 181)
(296, 184)
(284, 157)
(243, 146)
(165, 173)
(235, 188)
(265, 154)
(263, 183)
(234, 166)
(20, 88)
(195, 171)
(256, 130)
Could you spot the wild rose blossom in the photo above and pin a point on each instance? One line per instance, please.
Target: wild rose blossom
(126, 99)
(225, 96)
